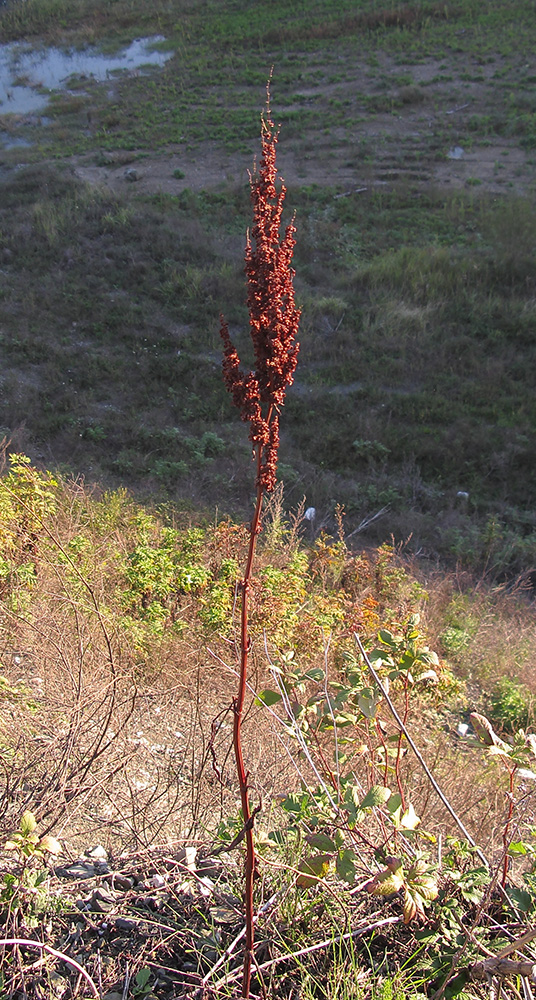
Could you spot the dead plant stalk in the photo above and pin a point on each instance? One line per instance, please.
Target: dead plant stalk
(259, 396)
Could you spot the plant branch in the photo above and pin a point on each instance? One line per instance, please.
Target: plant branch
(27, 943)
(416, 751)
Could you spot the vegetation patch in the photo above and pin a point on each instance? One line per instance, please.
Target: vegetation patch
(386, 722)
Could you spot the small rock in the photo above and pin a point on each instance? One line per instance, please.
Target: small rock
(102, 868)
(124, 924)
(80, 869)
(104, 895)
(153, 902)
(99, 906)
(158, 882)
(97, 853)
(101, 901)
(122, 882)
(143, 886)
(210, 867)
(187, 856)
(131, 175)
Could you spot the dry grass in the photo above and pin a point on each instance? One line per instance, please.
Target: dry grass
(116, 725)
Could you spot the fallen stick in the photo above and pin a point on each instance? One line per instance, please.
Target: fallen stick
(27, 943)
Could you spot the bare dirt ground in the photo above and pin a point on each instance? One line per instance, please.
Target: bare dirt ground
(419, 140)
(209, 168)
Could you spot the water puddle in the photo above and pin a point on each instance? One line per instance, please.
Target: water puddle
(27, 75)
(8, 141)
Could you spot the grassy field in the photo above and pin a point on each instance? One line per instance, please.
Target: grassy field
(415, 272)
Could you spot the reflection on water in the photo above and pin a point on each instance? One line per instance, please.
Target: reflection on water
(23, 71)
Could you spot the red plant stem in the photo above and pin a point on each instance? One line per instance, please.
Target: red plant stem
(327, 769)
(506, 831)
(399, 746)
(238, 710)
(384, 745)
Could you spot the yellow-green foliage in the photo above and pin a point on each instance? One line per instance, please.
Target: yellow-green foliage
(159, 577)
(27, 501)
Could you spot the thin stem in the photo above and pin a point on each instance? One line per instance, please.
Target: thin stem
(238, 711)
(27, 943)
(399, 746)
(319, 946)
(506, 831)
(418, 754)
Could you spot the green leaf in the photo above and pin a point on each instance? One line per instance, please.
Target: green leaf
(394, 803)
(379, 656)
(367, 701)
(429, 656)
(321, 842)
(142, 978)
(421, 886)
(455, 986)
(518, 848)
(345, 866)
(345, 719)
(389, 881)
(520, 898)
(296, 802)
(312, 870)
(428, 675)
(386, 637)
(314, 674)
(276, 837)
(351, 795)
(378, 795)
(267, 698)
(28, 823)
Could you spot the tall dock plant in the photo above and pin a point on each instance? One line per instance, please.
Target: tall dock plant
(259, 395)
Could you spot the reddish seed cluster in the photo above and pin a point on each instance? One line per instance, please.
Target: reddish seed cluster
(273, 315)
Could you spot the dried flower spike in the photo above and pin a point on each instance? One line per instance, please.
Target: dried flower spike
(273, 315)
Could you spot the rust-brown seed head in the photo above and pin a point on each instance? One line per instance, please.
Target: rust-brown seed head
(273, 315)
